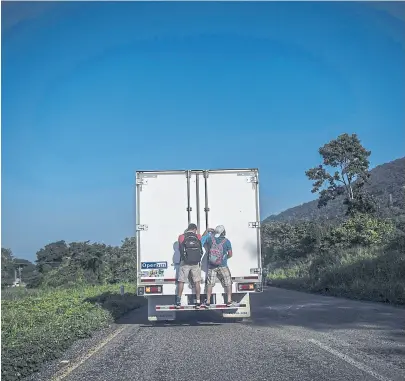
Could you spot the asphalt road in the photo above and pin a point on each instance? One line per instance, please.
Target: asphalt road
(290, 336)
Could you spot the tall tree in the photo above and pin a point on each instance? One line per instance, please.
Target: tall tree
(126, 264)
(344, 172)
(51, 256)
(7, 267)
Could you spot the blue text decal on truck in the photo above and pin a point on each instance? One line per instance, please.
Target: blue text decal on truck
(154, 265)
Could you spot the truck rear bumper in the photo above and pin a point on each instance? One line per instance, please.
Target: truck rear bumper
(171, 307)
(161, 307)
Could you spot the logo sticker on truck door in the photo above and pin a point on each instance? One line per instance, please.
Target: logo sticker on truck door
(153, 265)
(153, 273)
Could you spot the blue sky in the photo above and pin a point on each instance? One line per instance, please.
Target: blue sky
(92, 92)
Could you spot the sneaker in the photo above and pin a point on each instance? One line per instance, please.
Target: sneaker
(177, 303)
(206, 305)
(231, 304)
(197, 305)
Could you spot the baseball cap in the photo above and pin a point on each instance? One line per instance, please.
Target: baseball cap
(219, 230)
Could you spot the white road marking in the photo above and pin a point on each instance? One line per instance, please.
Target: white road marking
(349, 360)
(92, 352)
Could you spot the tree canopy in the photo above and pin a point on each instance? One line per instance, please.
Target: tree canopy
(345, 171)
(63, 264)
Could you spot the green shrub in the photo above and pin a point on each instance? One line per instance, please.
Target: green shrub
(39, 327)
(367, 273)
(284, 241)
(370, 274)
(16, 293)
(297, 269)
(361, 229)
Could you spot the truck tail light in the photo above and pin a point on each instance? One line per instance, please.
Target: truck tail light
(153, 289)
(246, 286)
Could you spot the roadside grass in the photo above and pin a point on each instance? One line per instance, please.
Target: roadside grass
(37, 326)
(291, 275)
(16, 293)
(373, 274)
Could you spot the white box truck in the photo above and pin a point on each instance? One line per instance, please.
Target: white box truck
(166, 202)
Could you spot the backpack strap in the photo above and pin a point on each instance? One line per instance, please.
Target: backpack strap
(215, 242)
(201, 247)
(182, 247)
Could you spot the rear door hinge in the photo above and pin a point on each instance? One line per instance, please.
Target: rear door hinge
(256, 271)
(141, 181)
(255, 224)
(252, 179)
(141, 227)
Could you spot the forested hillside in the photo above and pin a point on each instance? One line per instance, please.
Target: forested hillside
(351, 241)
(386, 183)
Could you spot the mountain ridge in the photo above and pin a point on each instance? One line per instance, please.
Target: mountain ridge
(385, 179)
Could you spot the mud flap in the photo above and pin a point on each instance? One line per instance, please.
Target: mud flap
(154, 315)
(240, 312)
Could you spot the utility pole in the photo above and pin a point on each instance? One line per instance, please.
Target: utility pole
(19, 271)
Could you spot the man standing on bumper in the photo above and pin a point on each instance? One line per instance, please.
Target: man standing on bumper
(218, 267)
(190, 253)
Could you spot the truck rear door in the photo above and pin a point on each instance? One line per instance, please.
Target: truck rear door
(233, 201)
(161, 203)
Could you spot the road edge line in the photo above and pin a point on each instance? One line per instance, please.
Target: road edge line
(67, 371)
(350, 361)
